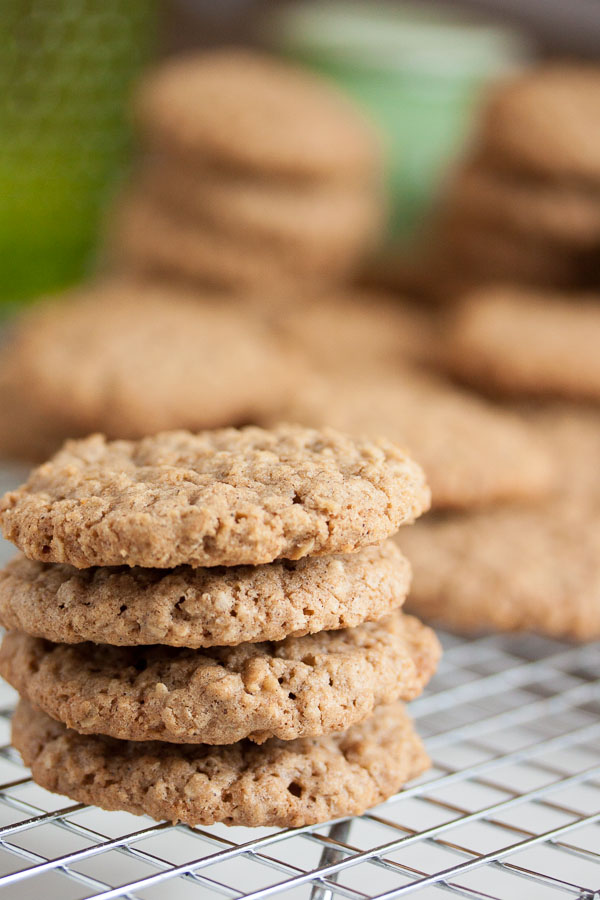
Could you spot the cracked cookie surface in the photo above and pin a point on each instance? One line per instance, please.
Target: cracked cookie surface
(225, 497)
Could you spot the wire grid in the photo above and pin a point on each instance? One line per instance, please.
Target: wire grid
(510, 809)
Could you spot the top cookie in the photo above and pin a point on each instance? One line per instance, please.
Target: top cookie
(547, 121)
(227, 497)
(254, 113)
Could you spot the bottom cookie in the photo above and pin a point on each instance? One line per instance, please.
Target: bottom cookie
(281, 783)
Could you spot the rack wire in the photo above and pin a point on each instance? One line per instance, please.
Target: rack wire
(510, 809)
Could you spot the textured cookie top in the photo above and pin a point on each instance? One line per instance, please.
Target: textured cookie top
(299, 687)
(187, 607)
(547, 121)
(472, 453)
(282, 783)
(227, 497)
(525, 342)
(256, 113)
(521, 568)
(131, 359)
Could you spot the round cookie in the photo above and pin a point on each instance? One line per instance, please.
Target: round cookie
(321, 222)
(281, 784)
(202, 607)
(564, 214)
(226, 497)
(520, 568)
(474, 254)
(348, 331)
(246, 111)
(519, 341)
(131, 359)
(299, 687)
(472, 453)
(151, 240)
(546, 121)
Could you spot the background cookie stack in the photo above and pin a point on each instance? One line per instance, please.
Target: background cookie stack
(208, 627)
(525, 207)
(255, 175)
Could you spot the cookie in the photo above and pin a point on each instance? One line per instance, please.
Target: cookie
(561, 213)
(147, 239)
(280, 784)
(353, 330)
(476, 254)
(518, 341)
(131, 359)
(323, 223)
(520, 568)
(202, 607)
(249, 112)
(472, 453)
(226, 497)
(299, 687)
(546, 121)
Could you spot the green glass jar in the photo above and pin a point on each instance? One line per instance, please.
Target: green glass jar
(417, 69)
(66, 68)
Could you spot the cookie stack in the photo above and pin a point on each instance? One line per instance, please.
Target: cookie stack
(207, 627)
(256, 174)
(525, 207)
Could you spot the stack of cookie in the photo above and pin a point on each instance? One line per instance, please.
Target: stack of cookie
(525, 207)
(207, 627)
(256, 175)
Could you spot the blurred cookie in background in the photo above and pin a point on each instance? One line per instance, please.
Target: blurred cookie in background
(473, 453)
(520, 568)
(256, 173)
(524, 342)
(352, 330)
(546, 121)
(524, 206)
(130, 359)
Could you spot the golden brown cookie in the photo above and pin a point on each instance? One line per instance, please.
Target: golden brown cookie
(281, 783)
(246, 111)
(299, 687)
(472, 253)
(149, 239)
(546, 121)
(520, 568)
(356, 330)
(130, 359)
(322, 223)
(472, 452)
(562, 213)
(519, 341)
(226, 497)
(186, 607)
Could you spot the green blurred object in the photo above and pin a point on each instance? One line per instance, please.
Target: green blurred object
(417, 69)
(66, 68)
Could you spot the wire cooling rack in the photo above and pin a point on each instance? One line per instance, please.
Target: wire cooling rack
(510, 809)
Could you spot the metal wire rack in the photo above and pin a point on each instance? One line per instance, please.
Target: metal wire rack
(511, 808)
